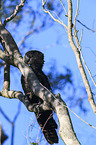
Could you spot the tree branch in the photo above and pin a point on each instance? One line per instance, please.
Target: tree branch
(77, 13)
(6, 85)
(11, 122)
(86, 26)
(47, 11)
(50, 101)
(78, 58)
(10, 47)
(63, 7)
(18, 9)
(4, 57)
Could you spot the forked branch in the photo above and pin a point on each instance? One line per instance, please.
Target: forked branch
(75, 47)
(50, 101)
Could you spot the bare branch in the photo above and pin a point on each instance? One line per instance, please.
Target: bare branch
(5, 116)
(76, 13)
(90, 97)
(81, 36)
(50, 101)
(63, 7)
(18, 112)
(69, 137)
(18, 9)
(86, 26)
(18, 95)
(6, 84)
(78, 58)
(47, 11)
(12, 122)
(88, 69)
(4, 57)
(10, 47)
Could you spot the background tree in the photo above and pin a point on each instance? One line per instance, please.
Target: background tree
(62, 82)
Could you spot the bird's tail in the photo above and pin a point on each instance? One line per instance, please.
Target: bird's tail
(48, 126)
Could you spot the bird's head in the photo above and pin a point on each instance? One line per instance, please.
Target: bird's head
(34, 58)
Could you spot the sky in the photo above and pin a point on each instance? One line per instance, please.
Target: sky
(45, 41)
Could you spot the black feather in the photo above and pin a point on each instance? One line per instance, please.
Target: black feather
(35, 59)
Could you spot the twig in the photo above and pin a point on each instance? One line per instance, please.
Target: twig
(80, 21)
(81, 36)
(63, 7)
(76, 12)
(18, 112)
(47, 11)
(85, 26)
(88, 69)
(13, 123)
(85, 79)
(81, 118)
(79, 47)
(78, 58)
(5, 116)
(18, 9)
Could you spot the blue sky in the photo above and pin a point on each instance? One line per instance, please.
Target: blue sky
(45, 41)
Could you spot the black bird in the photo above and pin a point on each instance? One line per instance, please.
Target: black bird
(35, 59)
